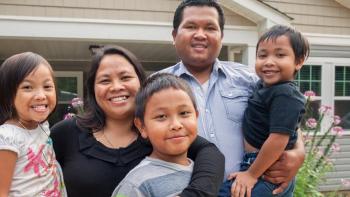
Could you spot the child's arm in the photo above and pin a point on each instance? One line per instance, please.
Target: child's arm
(271, 150)
(7, 166)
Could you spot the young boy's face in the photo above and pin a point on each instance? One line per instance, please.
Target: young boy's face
(275, 61)
(170, 123)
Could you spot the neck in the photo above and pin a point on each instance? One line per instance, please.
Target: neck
(118, 127)
(24, 124)
(178, 159)
(202, 74)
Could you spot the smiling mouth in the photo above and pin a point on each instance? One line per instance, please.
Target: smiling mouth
(119, 98)
(39, 108)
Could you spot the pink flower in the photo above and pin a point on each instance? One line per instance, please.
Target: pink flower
(335, 147)
(77, 102)
(68, 116)
(345, 182)
(325, 109)
(339, 131)
(311, 123)
(336, 120)
(310, 94)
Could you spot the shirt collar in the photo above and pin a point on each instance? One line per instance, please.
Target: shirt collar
(217, 68)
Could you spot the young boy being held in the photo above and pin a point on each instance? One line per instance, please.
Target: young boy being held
(166, 115)
(274, 110)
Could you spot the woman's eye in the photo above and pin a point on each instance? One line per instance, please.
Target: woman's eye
(185, 113)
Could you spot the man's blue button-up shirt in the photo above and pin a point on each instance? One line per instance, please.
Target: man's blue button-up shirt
(221, 106)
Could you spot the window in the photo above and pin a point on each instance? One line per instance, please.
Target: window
(69, 85)
(309, 78)
(342, 94)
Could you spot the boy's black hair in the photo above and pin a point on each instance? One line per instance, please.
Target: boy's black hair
(198, 3)
(156, 83)
(12, 72)
(299, 43)
(94, 117)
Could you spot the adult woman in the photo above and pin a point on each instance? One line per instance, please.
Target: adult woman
(97, 150)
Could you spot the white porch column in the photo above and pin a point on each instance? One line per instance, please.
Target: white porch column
(248, 55)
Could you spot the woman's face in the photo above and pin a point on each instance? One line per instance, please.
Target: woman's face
(116, 85)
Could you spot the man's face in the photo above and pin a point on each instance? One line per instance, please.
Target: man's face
(198, 38)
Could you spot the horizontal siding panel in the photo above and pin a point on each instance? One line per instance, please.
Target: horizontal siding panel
(328, 3)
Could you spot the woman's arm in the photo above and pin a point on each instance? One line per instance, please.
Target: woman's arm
(7, 166)
(208, 170)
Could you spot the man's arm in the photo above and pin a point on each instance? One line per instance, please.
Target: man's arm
(287, 166)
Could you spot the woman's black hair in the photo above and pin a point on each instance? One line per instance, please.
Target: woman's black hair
(94, 117)
(12, 72)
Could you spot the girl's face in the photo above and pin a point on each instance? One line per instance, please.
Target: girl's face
(35, 97)
(116, 85)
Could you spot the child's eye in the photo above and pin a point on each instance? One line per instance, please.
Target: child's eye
(26, 87)
(160, 117)
(261, 56)
(185, 113)
(280, 55)
(48, 86)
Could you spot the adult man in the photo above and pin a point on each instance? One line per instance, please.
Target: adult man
(221, 88)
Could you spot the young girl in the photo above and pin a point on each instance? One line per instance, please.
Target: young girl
(28, 165)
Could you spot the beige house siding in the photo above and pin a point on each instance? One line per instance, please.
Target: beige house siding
(134, 10)
(315, 16)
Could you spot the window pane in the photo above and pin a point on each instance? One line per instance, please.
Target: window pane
(305, 73)
(347, 73)
(338, 89)
(67, 88)
(342, 81)
(316, 73)
(316, 87)
(347, 89)
(342, 109)
(339, 73)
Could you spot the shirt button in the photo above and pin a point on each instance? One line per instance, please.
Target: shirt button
(212, 135)
(207, 110)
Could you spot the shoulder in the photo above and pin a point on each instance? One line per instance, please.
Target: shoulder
(234, 68)
(64, 128)
(171, 69)
(288, 89)
(12, 138)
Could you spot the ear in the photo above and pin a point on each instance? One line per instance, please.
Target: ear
(174, 33)
(197, 114)
(140, 127)
(299, 65)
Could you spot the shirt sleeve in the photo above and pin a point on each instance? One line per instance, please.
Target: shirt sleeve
(9, 140)
(285, 114)
(127, 189)
(208, 170)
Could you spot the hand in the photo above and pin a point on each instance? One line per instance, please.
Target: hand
(284, 169)
(243, 184)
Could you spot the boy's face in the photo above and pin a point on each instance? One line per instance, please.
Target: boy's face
(275, 61)
(170, 123)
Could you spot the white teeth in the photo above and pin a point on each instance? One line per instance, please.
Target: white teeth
(117, 99)
(39, 107)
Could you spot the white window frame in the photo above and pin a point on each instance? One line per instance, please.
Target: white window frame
(328, 65)
(76, 74)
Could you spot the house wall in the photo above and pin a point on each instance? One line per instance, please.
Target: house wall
(137, 10)
(315, 16)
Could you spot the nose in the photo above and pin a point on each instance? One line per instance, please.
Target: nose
(200, 34)
(117, 85)
(269, 61)
(175, 124)
(40, 94)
